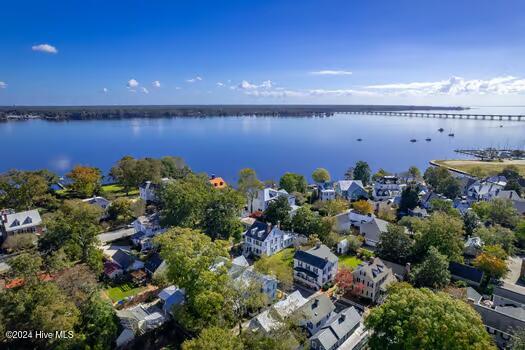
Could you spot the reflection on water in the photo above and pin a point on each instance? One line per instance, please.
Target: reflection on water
(272, 146)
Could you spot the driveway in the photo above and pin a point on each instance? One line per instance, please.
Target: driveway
(514, 265)
(115, 235)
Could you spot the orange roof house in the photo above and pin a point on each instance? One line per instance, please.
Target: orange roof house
(218, 182)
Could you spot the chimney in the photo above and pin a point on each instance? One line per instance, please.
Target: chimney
(318, 244)
(315, 303)
(342, 318)
(268, 227)
(278, 225)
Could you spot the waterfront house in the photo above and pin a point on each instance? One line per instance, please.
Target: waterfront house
(315, 267)
(350, 190)
(100, 202)
(344, 329)
(387, 187)
(326, 191)
(267, 195)
(482, 190)
(12, 223)
(149, 225)
(372, 230)
(315, 313)
(265, 239)
(148, 191)
(375, 277)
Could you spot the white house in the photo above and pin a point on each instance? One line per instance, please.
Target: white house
(265, 239)
(481, 190)
(246, 274)
(315, 267)
(22, 222)
(326, 191)
(315, 313)
(340, 328)
(387, 187)
(148, 190)
(350, 218)
(265, 196)
(149, 225)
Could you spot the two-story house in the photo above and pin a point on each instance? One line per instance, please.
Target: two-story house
(264, 197)
(374, 276)
(148, 190)
(350, 190)
(265, 239)
(12, 223)
(315, 267)
(326, 191)
(315, 313)
(387, 187)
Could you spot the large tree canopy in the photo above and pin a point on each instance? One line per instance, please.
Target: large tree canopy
(420, 319)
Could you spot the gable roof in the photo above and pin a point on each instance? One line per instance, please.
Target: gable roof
(218, 182)
(317, 256)
(259, 230)
(123, 259)
(338, 327)
(22, 220)
(373, 229)
(316, 309)
(153, 263)
(97, 200)
(375, 270)
(465, 272)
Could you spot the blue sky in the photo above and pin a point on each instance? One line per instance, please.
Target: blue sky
(184, 52)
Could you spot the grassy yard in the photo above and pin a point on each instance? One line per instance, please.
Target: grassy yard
(280, 265)
(112, 191)
(485, 167)
(349, 261)
(123, 291)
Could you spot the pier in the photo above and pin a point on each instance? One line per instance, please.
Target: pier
(502, 117)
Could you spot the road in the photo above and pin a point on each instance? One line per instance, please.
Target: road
(111, 236)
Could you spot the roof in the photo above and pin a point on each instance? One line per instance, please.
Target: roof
(375, 270)
(240, 261)
(465, 272)
(373, 229)
(508, 194)
(338, 327)
(22, 220)
(123, 259)
(316, 256)
(218, 182)
(259, 230)
(270, 319)
(96, 200)
(110, 267)
(316, 309)
(510, 291)
(153, 263)
(271, 193)
(345, 185)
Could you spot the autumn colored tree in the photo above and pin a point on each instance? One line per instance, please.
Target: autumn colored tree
(85, 180)
(492, 262)
(363, 207)
(344, 280)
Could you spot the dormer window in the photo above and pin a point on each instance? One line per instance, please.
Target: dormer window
(15, 223)
(28, 220)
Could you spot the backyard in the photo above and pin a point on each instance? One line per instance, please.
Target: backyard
(280, 265)
(349, 261)
(123, 291)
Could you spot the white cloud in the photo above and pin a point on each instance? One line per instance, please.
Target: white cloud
(194, 80)
(156, 84)
(3, 85)
(132, 84)
(456, 86)
(144, 90)
(178, 88)
(331, 72)
(220, 84)
(246, 85)
(105, 90)
(45, 48)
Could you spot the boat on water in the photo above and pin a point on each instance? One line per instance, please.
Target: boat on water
(413, 140)
(451, 134)
(441, 129)
(428, 139)
(359, 140)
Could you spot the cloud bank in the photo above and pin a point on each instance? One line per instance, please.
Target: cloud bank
(46, 48)
(3, 85)
(331, 72)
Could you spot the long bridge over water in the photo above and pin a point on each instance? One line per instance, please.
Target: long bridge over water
(507, 117)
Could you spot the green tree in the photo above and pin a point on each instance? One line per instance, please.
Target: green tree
(444, 206)
(26, 266)
(363, 207)
(19, 242)
(395, 244)
(278, 211)
(362, 172)
(85, 180)
(321, 175)
(442, 231)
(184, 201)
(497, 235)
(380, 174)
(332, 207)
(121, 210)
(292, 182)
(520, 233)
(517, 341)
(221, 214)
(409, 198)
(471, 222)
(443, 182)
(432, 272)
(349, 173)
(249, 184)
(23, 190)
(420, 319)
(99, 323)
(174, 167)
(214, 338)
(497, 212)
(414, 172)
(307, 222)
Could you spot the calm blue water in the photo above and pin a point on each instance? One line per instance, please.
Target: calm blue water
(271, 146)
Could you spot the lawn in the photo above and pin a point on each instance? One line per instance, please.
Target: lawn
(123, 291)
(349, 261)
(486, 167)
(112, 190)
(280, 265)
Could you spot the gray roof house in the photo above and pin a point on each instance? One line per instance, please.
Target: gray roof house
(265, 239)
(138, 320)
(372, 231)
(98, 201)
(315, 267)
(337, 331)
(374, 276)
(315, 313)
(503, 313)
(350, 189)
(22, 222)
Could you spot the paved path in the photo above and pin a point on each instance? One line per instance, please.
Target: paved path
(115, 235)
(514, 265)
